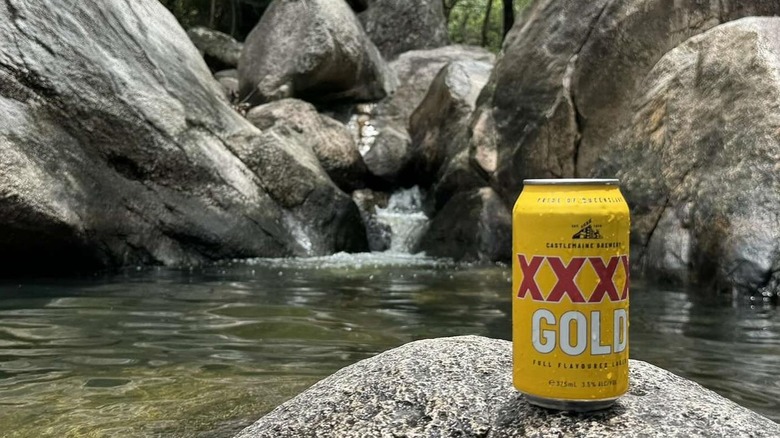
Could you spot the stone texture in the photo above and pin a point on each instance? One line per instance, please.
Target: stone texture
(118, 148)
(565, 89)
(389, 118)
(439, 125)
(330, 140)
(567, 77)
(219, 50)
(700, 161)
(472, 226)
(378, 232)
(461, 386)
(228, 79)
(315, 50)
(398, 26)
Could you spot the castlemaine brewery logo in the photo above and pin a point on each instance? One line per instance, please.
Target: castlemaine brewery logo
(588, 231)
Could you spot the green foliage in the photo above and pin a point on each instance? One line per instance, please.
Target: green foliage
(466, 21)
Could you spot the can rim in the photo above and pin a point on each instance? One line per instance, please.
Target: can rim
(572, 182)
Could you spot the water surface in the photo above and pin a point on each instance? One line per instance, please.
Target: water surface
(201, 353)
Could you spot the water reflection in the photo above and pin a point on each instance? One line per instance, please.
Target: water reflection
(202, 353)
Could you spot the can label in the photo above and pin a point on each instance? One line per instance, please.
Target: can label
(570, 292)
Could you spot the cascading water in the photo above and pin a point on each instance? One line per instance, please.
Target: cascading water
(403, 219)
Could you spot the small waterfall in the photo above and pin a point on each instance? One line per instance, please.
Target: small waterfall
(403, 220)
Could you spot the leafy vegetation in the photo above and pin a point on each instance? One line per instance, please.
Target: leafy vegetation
(479, 22)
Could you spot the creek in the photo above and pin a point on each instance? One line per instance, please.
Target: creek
(202, 353)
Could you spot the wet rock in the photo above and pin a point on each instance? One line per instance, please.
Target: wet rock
(327, 138)
(439, 125)
(472, 226)
(219, 50)
(378, 232)
(315, 50)
(400, 26)
(461, 386)
(699, 161)
(117, 148)
(389, 119)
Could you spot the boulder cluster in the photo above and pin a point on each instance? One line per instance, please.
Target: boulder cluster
(125, 143)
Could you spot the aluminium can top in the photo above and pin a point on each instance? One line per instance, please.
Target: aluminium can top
(572, 182)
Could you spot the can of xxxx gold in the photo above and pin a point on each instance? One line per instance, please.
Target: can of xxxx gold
(570, 282)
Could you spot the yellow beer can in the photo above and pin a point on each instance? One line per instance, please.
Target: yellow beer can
(570, 282)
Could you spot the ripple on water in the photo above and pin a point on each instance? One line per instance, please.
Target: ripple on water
(180, 353)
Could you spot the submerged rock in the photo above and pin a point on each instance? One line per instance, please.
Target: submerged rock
(462, 386)
(315, 50)
(400, 26)
(117, 147)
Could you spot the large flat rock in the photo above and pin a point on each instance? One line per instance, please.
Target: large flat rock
(462, 387)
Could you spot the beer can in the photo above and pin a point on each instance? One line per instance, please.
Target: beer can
(570, 282)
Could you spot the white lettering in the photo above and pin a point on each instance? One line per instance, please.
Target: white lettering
(596, 348)
(582, 333)
(549, 335)
(620, 327)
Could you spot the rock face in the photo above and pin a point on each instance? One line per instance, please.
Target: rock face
(568, 75)
(569, 85)
(471, 227)
(415, 70)
(438, 126)
(462, 386)
(117, 148)
(700, 160)
(330, 140)
(219, 50)
(400, 26)
(315, 50)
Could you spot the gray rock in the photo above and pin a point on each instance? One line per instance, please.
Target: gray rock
(229, 88)
(389, 154)
(568, 74)
(457, 175)
(416, 71)
(220, 50)
(439, 125)
(118, 148)
(330, 141)
(315, 50)
(461, 386)
(400, 26)
(472, 226)
(562, 93)
(379, 233)
(700, 161)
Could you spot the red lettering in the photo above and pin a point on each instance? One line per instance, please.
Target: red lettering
(566, 275)
(529, 282)
(624, 261)
(606, 283)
